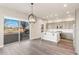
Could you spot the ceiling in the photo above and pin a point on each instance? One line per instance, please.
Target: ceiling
(49, 11)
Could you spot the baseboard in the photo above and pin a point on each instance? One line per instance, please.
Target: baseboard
(36, 38)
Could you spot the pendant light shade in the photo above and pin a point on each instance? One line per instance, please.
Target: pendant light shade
(32, 17)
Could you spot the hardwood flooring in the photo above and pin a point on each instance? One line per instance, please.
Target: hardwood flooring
(38, 47)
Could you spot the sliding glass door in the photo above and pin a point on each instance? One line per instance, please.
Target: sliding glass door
(24, 30)
(11, 29)
(15, 30)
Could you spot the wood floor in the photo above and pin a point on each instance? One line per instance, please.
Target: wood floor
(38, 47)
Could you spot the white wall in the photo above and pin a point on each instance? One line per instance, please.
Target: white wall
(9, 13)
(35, 29)
(1, 31)
(76, 41)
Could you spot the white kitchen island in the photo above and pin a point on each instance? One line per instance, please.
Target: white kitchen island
(51, 36)
(54, 34)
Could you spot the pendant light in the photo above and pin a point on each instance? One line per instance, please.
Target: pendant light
(32, 17)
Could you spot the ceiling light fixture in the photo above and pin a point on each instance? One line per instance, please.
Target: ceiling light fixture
(32, 17)
(65, 5)
(47, 16)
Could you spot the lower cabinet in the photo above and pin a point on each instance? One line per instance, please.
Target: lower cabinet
(55, 36)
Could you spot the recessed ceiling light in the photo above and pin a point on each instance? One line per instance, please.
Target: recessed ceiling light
(47, 16)
(67, 12)
(65, 5)
(56, 15)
